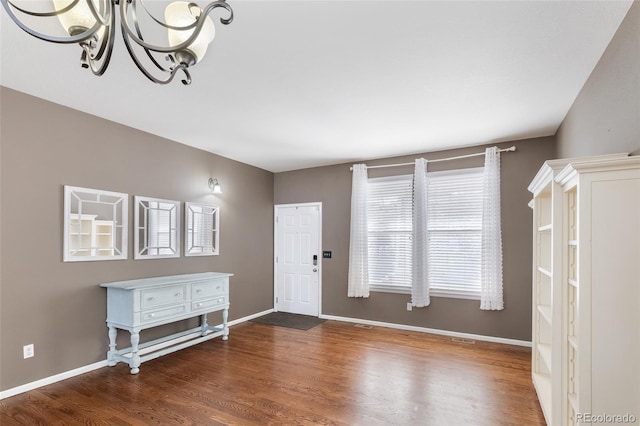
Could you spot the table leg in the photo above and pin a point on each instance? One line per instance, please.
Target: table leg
(135, 358)
(205, 325)
(225, 328)
(111, 355)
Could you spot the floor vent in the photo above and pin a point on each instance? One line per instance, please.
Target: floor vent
(368, 327)
(461, 340)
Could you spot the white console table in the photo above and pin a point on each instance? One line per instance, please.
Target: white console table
(136, 305)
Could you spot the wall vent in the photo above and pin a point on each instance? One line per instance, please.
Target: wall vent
(461, 340)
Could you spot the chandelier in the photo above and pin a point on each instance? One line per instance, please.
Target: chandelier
(92, 24)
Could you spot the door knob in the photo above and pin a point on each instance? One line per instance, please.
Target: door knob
(315, 269)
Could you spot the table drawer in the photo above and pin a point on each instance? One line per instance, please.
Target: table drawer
(208, 304)
(153, 297)
(162, 314)
(208, 289)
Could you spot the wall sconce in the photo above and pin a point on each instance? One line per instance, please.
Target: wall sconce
(214, 186)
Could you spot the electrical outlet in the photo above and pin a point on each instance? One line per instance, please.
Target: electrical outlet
(409, 307)
(28, 351)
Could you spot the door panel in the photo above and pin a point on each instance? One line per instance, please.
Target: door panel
(297, 240)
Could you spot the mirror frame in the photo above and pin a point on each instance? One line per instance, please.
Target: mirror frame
(136, 228)
(67, 256)
(188, 231)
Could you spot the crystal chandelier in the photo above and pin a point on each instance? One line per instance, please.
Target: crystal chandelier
(92, 24)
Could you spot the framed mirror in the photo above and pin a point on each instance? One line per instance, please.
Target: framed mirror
(157, 228)
(201, 237)
(95, 224)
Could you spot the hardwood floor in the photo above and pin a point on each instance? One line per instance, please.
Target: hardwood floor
(335, 373)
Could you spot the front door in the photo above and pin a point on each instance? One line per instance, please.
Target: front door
(298, 258)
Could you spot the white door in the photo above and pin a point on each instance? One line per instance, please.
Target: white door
(298, 258)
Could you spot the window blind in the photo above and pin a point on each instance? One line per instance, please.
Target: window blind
(389, 228)
(455, 227)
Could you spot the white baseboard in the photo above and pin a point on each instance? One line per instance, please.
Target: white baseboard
(52, 379)
(87, 368)
(249, 317)
(431, 330)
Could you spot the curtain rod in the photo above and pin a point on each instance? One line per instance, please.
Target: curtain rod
(477, 154)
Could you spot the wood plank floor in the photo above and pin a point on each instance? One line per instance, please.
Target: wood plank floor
(334, 374)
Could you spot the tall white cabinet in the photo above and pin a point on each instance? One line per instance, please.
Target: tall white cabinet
(547, 287)
(586, 290)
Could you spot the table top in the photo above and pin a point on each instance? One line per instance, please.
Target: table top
(164, 280)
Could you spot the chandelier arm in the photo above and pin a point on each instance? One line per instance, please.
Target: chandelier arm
(134, 14)
(205, 12)
(43, 14)
(187, 75)
(169, 49)
(161, 22)
(96, 14)
(104, 43)
(78, 38)
(106, 48)
(109, 9)
(172, 72)
(220, 3)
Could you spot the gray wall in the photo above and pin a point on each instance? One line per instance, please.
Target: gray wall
(605, 118)
(59, 306)
(332, 186)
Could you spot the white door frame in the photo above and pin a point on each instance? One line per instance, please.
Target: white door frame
(276, 208)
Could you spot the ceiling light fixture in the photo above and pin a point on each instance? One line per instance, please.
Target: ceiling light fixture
(92, 24)
(214, 186)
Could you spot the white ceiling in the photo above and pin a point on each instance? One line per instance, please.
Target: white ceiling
(297, 84)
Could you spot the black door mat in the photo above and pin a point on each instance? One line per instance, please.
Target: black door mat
(285, 319)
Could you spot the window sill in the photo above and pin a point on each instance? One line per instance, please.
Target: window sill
(432, 293)
(452, 295)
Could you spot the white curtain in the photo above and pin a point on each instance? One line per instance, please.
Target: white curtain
(358, 284)
(419, 270)
(491, 257)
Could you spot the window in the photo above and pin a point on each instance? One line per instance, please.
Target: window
(454, 227)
